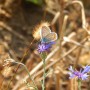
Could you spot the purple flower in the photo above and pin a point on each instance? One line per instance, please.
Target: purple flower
(42, 47)
(82, 74)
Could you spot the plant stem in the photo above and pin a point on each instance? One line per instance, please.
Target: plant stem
(79, 84)
(25, 53)
(44, 74)
(43, 55)
(28, 74)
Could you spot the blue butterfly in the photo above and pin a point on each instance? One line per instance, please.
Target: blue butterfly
(47, 36)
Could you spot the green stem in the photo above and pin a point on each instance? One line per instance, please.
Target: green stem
(43, 55)
(79, 84)
(28, 74)
(44, 74)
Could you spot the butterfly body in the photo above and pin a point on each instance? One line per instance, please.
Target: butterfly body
(47, 36)
(44, 40)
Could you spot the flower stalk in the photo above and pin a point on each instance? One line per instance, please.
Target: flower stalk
(79, 84)
(43, 56)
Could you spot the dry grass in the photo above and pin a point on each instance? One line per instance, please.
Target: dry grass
(69, 21)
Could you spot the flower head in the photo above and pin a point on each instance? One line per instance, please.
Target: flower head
(37, 29)
(42, 47)
(82, 74)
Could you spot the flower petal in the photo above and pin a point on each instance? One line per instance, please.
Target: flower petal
(71, 69)
(84, 76)
(86, 70)
(71, 75)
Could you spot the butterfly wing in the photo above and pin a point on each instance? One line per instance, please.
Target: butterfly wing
(44, 32)
(50, 37)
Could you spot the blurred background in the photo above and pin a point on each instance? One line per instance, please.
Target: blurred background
(70, 19)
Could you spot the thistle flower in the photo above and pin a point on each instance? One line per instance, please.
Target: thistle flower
(37, 29)
(82, 74)
(42, 47)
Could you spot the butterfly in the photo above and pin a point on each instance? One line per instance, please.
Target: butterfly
(47, 36)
